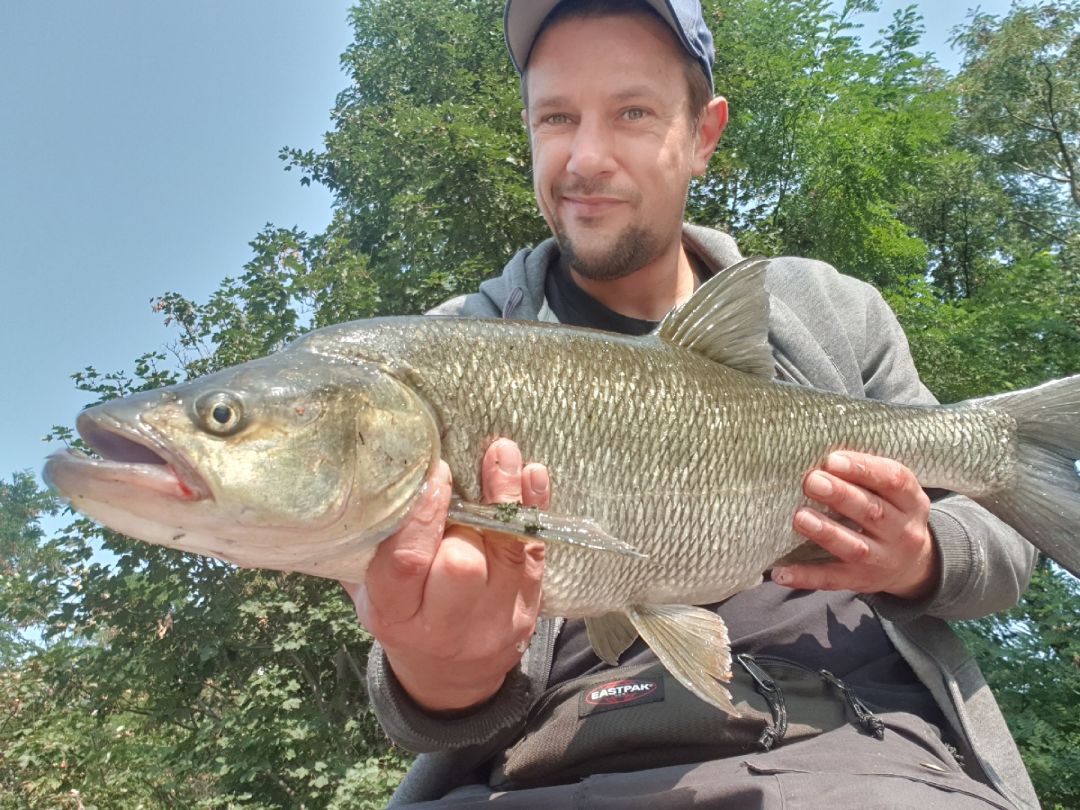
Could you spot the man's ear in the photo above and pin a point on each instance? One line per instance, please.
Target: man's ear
(709, 129)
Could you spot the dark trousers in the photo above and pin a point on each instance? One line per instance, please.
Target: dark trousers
(843, 768)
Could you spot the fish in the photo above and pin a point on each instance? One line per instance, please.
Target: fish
(676, 459)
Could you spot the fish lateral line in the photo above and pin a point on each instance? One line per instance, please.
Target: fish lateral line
(529, 524)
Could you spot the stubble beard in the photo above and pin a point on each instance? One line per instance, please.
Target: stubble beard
(634, 248)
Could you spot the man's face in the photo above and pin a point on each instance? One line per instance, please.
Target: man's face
(613, 144)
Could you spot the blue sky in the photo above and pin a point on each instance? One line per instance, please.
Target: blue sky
(138, 155)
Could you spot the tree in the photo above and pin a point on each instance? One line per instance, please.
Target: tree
(1020, 107)
(427, 161)
(29, 562)
(828, 142)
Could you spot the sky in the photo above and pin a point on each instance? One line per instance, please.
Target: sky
(139, 154)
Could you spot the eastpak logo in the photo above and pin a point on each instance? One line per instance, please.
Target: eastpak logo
(620, 694)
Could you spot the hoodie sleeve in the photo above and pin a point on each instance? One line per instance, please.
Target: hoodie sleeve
(420, 731)
(473, 736)
(985, 564)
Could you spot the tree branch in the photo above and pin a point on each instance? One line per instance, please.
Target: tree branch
(313, 682)
(1037, 173)
(1040, 229)
(1059, 136)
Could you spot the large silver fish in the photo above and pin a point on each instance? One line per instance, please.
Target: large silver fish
(676, 461)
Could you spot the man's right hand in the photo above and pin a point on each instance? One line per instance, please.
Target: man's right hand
(453, 607)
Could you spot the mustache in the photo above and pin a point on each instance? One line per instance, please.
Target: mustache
(592, 188)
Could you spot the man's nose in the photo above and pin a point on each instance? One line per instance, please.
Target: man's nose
(592, 152)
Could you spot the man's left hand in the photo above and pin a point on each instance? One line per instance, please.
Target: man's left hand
(889, 550)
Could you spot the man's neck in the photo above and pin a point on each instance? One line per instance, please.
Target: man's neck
(650, 292)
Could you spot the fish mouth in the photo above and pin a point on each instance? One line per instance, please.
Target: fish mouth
(136, 457)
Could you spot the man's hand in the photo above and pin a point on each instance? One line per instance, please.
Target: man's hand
(891, 550)
(454, 608)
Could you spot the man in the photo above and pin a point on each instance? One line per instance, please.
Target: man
(620, 113)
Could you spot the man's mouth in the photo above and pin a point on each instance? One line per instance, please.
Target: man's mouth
(590, 206)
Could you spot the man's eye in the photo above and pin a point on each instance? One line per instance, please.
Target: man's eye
(634, 114)
(556, 118)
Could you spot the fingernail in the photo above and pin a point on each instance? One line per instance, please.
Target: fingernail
(781, 576)
(807, 522)
(837, 462)
(437, 479)
(818, 485)
(508, 458)
(442, 472)
(538, 480)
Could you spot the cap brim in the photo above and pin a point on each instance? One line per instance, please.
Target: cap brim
(521, 21)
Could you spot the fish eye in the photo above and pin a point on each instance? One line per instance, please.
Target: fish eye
(220, 413)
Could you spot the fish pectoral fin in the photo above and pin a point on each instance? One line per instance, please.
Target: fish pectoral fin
(692, 644)
(806, 553)
(610, 635)
(529, 524)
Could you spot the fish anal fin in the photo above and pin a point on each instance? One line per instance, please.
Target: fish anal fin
(692, 644)
(530, 525)
(610, 635)
(727, 320)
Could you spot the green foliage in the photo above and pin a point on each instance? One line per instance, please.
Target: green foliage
(428, 160)
(790, 179)
(963, 214)
(1020, 109)
(29, 564)
(58, 749)
(205, 686)
(1020, 328)
(166, 680)
(293, 282)
(1031, 656)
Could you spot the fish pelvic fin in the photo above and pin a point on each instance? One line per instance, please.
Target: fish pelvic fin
(530, 525)
(692, 644)
(610, 635)
(727, 320)
(807, 553)
(1043, 504)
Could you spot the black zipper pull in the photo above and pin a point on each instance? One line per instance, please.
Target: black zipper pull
(868, 721)
(767, 688)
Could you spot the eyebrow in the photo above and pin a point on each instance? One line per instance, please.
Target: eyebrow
(550, 101)
(628, 94)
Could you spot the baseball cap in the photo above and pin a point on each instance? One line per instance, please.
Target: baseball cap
(523, 19)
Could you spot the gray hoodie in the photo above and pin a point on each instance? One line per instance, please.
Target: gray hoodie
(837, 334)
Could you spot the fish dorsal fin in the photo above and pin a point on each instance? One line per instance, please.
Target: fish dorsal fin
(727, 319)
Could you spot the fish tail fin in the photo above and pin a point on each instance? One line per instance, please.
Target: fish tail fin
(1043, 504)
